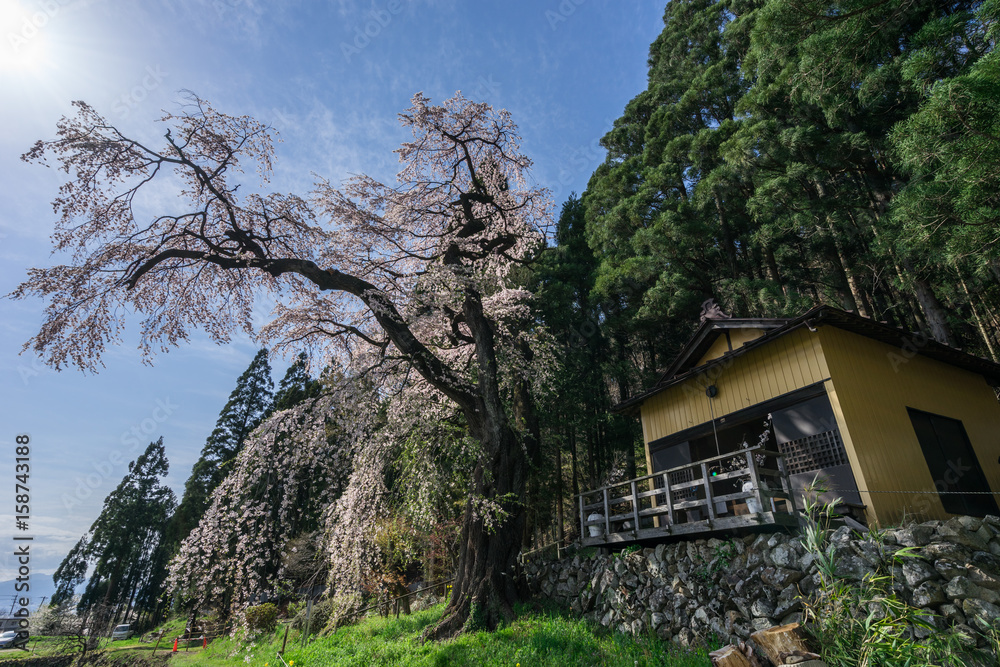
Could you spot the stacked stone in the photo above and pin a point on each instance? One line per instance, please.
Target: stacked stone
(689, 590)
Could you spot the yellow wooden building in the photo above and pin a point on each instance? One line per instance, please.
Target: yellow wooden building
(899, 425)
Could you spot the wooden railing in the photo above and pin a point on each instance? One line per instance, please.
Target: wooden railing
(700, 496)
(526, 556)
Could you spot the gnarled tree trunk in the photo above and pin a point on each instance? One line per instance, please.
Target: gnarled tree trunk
(487, 581)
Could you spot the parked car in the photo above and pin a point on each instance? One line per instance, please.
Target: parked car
(13, 639)
(123, 631)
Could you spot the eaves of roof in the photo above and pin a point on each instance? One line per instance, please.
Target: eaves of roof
(908, 342)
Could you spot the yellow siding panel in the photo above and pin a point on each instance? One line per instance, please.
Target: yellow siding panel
(744, 380)
(741, 337)
(718, 348)
(874, 384)
(738, 337)
(802, 365)
(756, 380)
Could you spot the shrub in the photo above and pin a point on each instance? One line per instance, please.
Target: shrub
(262, 618)
(320, 616)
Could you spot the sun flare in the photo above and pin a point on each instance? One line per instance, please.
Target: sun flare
(25, 43)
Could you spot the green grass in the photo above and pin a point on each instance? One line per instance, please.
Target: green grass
(536, 638)
(540, 636)
(43, 646)
(39, 646)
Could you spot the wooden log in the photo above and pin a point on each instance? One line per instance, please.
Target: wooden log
(728, 656)
(781, 639)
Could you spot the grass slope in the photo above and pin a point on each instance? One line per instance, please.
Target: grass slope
(537, 638)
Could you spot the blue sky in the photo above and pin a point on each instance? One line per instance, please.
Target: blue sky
(331, 77)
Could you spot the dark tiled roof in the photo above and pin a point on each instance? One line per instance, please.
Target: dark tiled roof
(681, 369)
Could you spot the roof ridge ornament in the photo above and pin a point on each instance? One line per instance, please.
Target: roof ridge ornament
(712, 311)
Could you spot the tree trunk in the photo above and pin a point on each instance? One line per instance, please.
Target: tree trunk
(975, 315)
(487, 581)
(842, 267)
(574, 477)
(771, 265)
(591, 458)
(559, 500)
(727, 240)
(531, 434)
(934, 312)
(847, 293)
(623, 395)
(930, 306)
(728, 656)
(779, 640)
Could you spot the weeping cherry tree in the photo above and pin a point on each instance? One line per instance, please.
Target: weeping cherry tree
(422, 270)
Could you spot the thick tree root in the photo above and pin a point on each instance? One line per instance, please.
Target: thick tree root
(485, 609)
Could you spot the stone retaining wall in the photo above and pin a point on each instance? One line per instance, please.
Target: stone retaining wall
(688, 590)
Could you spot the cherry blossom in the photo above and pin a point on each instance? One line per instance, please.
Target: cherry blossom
(423, 272)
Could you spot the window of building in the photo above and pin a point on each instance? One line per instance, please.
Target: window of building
(958, 477)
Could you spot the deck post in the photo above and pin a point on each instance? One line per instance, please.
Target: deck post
(755, 479)
(583, 521)
(710, 506)
(635, 508)
(607, 515)
(786, 484)
(670, 502)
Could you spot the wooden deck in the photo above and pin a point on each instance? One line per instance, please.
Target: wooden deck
(701, 497)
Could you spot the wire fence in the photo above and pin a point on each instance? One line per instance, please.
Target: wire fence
(560, 546)
(395, 601)
(934, 493)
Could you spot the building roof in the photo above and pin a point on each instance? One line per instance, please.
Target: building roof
(706, 334)
(682, 367)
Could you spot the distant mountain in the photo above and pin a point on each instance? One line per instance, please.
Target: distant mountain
(41, 586)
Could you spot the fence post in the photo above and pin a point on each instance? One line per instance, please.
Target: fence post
(309, 608)
(635, 508)
(786, 483)
(607, 515)
(583, 521)
(670, 502)
(708, 493)
(755, 479)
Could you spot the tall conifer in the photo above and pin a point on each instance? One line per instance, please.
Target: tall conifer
(249, 403)
(123, 543)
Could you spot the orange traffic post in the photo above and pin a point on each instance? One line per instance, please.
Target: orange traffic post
(204, 643)
(175, 645)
